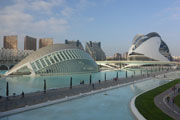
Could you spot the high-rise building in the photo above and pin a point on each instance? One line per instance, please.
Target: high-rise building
(10, 42)
(74, 43)
(124, 56)
(43, 42)
(29, 43)
(95, 50)
(117, 56)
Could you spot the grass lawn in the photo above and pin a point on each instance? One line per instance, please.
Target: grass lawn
(177, 100)
(145, 103)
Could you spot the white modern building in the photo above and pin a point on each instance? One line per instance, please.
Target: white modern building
(10, 57)
(149, 47)
(55, 59)
(13, 54)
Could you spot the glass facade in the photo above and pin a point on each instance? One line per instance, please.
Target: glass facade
(58, 59)
(64, 61)
(24, 70)
(164, 50)
(163, 47)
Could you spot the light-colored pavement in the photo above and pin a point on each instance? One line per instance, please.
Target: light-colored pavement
(170, 108)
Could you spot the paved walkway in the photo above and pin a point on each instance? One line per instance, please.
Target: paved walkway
(54, 94)
(169, 108)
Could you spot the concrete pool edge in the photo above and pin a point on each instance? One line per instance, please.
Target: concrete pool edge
(27, 108)
(133, 108)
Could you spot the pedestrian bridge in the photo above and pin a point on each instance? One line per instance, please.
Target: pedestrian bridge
(125, 64)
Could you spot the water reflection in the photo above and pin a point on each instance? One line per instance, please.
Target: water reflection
(112, 104)
(32, 84)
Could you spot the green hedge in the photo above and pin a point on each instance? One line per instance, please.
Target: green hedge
(146, 106)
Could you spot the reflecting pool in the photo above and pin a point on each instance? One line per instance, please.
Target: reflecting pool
(33, 84)
(109, 105)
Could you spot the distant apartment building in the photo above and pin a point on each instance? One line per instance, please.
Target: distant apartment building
(109, 57)
(43, 42)
(117, 56)
(176, 58)
(124, 56)
(10, 42)
(95, 50)
(30, 43)
(74, 43)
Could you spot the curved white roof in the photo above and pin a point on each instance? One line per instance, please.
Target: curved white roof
(150, 46)
(42, 52)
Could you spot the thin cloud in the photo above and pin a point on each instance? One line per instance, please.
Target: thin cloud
(172, 12)
(45, 6)
(15, 19)
(39, 18)
(67, 11)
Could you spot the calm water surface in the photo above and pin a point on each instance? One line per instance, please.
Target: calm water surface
(109, 105)
(32, 84)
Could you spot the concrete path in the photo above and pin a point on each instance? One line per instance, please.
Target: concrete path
(54, 94)
(169, 108)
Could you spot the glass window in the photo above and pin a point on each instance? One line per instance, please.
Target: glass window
(59, 56)
(51, 59)
(69, 53)
(65, 55)
(77, 53)
(47, 60)
(24, 71)
(72, 54)
(62, 55)
(55, 58)
(38, 64)
(80, 53)
(43, 63)
(34, 66)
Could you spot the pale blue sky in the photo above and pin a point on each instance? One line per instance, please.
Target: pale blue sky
(113, 22)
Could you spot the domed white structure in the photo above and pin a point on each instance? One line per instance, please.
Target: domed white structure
(55, 59)
(149, 47)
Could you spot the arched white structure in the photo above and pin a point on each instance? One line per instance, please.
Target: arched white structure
(55, 59)
(149, 47)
